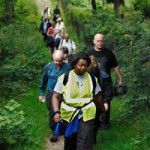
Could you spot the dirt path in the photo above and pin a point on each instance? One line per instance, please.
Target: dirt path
(55, 146)
(42, 4)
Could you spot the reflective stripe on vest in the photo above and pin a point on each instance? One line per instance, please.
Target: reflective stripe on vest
(75, 98)
(67, 112)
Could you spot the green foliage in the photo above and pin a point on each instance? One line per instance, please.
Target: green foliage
(21, 57)
(37, 115)
(1, 7)
(127, 133)
(143, 5)
(26, 11)
(20, 53)
(129, 38)
(13, 124)
(79, 3)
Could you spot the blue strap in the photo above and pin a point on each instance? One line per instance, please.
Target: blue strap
(72, 127)
(57, 129)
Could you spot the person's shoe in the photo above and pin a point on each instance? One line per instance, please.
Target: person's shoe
(104, 126)
(54, 138)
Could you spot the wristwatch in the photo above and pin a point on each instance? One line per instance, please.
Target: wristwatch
(56, 112)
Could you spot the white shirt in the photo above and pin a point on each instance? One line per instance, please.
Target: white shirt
(60, 26)
(69, 44)
(45, 26)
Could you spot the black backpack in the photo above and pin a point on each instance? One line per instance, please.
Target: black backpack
(57, 42)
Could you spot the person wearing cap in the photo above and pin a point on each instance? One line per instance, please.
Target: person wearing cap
(60, 26)
(49, 78)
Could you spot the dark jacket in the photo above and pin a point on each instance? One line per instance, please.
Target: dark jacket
(42, 24)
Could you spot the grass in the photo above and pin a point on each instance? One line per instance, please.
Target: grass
(118, 136)
(124, 134)
(37, 115)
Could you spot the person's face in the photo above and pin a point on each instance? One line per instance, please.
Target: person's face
(67, 37)
(58, 61)
(81, 67)
(98, 41)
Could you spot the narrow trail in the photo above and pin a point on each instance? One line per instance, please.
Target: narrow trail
(42, 4)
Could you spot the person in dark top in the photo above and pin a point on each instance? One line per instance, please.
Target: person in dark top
(56, 13)
(107, 61)
(49, 78)
(45, 24)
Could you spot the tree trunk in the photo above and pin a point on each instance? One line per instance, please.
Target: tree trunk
(93, 3)
(117, 4)
(9, 10)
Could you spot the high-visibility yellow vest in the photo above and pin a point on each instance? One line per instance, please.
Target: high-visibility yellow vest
(74, 98)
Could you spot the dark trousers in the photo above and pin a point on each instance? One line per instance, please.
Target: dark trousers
(83, 140)
(96, 124)
(52, 124)
(44, 36)
(107, 96)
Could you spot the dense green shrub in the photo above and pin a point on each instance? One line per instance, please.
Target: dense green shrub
(26, 11)
(21, 57)
(13, 125)
(143, 5)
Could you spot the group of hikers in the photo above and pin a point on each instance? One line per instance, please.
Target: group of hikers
(54, 33)
(79, 90)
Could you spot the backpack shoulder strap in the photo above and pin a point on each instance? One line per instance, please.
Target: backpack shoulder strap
(94, 82)
(65, 78)
(61, 41)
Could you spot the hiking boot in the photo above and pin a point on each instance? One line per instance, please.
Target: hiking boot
(54, 138)
(104, 126)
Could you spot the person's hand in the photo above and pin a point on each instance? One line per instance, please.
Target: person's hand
(102, 117)
(42, 98)
(120, 82)
(106, 106)
(57, 117)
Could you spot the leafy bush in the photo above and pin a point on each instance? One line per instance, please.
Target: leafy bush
(26, 11)
(13, 124)
(21, 57)
(144, 6)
